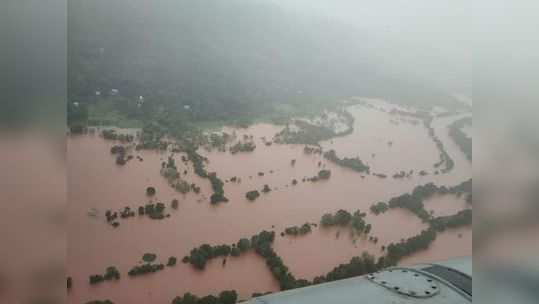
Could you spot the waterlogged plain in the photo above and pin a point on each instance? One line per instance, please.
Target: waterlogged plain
(383, 139)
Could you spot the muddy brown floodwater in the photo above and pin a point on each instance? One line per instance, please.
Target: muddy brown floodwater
(95, 181)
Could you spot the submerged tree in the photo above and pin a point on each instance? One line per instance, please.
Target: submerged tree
(324, 174)
(150, 191)
(252, 195)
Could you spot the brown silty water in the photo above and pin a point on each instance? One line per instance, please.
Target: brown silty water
(95, 181)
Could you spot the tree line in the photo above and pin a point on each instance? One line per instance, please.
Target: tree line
(225, 297)
(460, 138)
(355, 164)
(414, 201)
(444, 156)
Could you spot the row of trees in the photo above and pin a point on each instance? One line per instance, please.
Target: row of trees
(344, 218)
(307, 134)
(198, 257)
(321, 175)
(155, 211)
(461, 139)
(111, 273)
(414, 201)
(366, 263)
(145, 269)
(111, 134)
(262, 244)
(355, 164)
(148, 267)
(312, 134)
(171, 173)
(403, 174)
(359, 265)
(243, 147)
(225, 297)
(407, 247)
(444, 156)
(295, 230)
(379, 208)
(411, 202)
(217, 184)
(462, 218)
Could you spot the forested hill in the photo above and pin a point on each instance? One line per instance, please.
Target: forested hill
(224, 59)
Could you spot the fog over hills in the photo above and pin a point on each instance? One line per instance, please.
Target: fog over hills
(233, 57)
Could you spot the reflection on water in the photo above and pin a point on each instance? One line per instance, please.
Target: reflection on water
(96, 182)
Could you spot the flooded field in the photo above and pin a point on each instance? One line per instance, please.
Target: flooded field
(97, 184)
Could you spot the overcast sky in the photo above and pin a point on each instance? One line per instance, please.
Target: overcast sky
(432, 37)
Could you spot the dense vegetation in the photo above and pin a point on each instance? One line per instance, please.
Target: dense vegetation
(169, 170)
(307, 133)
(110, 134)
(243, 147)
(353, 163)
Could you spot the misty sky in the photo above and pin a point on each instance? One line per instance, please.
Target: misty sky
(431, 37)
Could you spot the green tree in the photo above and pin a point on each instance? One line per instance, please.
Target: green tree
(244, 244)
(324, 174)
(252, 195)
(327, 220)
(150, 191)
(171, 261)
(228, 297)
(174, 204)
(149, 257)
